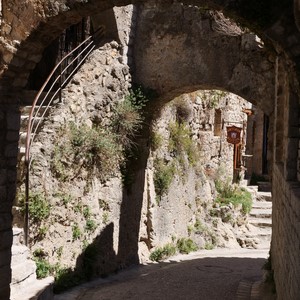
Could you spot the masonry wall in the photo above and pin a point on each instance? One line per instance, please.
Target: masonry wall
(9, 128)
(285, 235)
(286, 202)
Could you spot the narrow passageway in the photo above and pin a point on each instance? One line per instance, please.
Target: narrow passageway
(207, 275)
(221, 273)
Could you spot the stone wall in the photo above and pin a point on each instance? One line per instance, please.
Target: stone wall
(285, 235)
(79, 196)
(28, 27)
(168, 217)
(9, 127)
(198, 42)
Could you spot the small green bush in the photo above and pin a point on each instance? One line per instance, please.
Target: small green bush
(64, 198)
(80, 147)
(163, 177)
(163, 253)
(90, 225)
(181, 144)
(76, 232)
(43, 267)
(156, 140)
(126, 122)
(209, 246)
(86, 212)
(38, 206)
(186, 245)
(235, 195)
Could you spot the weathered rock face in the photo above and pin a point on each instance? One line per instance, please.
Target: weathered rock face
(82, 206)
(87, 208)
(46, 21)
(199, 43)
(189, 199)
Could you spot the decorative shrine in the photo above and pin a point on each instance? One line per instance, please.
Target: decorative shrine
(234, 135)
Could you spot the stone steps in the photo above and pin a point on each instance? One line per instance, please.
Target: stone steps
(36, 290)
(261, 212)
(260, 222)
(264, 186)
(260, 217)
(24, 284)
(262, 205)
(264, 196)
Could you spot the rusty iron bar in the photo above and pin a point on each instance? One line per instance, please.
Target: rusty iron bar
(88, 46)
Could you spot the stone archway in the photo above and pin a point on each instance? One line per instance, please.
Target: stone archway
(23, 40)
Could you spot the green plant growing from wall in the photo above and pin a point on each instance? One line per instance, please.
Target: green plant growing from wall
(215, 97)
(229, 193)
(64, 198)
(105, 217)
(163, 177)
(186, 245)
(86, 212)
(163, 252)
(127, 120)
(43, 267)
(39, 207)
(181, 144)
(156, 140)
(82, 147)
(76, 232)
(90, 225)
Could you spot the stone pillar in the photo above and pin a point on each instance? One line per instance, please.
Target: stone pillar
(9, 134)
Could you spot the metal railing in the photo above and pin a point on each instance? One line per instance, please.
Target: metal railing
(56, 81)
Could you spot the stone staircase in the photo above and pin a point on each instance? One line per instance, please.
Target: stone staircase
(260, 218)
(25, 109)
(24, 284)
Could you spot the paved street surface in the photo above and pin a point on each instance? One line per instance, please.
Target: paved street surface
(218, 274)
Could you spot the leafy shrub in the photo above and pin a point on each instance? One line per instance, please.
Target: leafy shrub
(82, 147)
(156, 140)
(86, 212)
(65, 198)
(90, 225)
(186, 245)
(163, 253)
(163, 177)
(181, 143)
(208, 246)
(126, 122)
(39, 207)
(43, 267)
(76, 232)
(235, 195)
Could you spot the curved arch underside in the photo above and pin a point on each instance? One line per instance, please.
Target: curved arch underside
(176, 50)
